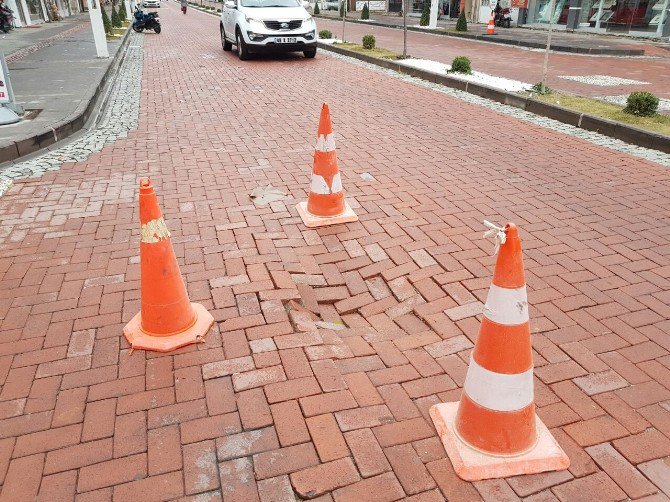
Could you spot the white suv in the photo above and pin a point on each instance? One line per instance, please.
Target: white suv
(267, 25)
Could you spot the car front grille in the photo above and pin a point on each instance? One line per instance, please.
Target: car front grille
(283, 25)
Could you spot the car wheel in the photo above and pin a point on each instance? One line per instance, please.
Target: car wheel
(225, 43)
(242, 51)
(310, 53)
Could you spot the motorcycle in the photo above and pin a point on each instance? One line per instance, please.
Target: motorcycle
(6, 19)
(503, 19)
(148, 21)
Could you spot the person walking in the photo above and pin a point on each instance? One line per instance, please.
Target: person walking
(184, 3)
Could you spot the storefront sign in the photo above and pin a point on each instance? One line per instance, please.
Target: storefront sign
(372, 5)
(520, 4)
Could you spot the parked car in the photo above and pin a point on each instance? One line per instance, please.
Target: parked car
(151, 4)
(330, 5)
(267, 26)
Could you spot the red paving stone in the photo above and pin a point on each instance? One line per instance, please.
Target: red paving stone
(263, 410)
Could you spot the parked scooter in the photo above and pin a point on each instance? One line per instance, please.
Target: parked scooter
(6, 19)
(502, 17)
(148, 21)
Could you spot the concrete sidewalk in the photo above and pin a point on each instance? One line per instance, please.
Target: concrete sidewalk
(56, 75)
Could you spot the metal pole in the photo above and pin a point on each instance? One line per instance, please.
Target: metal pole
(664, 15)
(344, 18)
(546, 54)
(600, 14)
(404, 28)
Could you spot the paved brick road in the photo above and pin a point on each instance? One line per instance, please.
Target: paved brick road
(268, 404)
(523, 64)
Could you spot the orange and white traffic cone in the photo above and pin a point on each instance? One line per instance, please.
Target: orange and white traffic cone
(491, 28)
(325, 204)
(167, 319)
(494, 432)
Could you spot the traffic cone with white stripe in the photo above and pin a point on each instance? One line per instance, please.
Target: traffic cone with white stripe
(491, 28)
(494, 432)
(167, 319)
(325, 204)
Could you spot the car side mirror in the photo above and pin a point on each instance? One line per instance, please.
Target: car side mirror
(230, 4)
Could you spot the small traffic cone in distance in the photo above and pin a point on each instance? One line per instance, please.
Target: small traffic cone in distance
(491, 28)
(167, 319)
(326, 204)
(494, 432)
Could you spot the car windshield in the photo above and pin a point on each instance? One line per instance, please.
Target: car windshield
(269, 3)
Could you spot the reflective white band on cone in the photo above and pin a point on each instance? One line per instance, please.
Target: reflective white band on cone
(498, 391)
(319, 186)
(507, 306)
(325, 143)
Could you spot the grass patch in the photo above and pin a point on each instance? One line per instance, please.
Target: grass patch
(377, 52)
(659, 124)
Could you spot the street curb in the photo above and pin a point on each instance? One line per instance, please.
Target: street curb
(70, 125)
(623, 132)
(494, 39)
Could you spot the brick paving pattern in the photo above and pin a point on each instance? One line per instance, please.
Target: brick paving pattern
(330, 345)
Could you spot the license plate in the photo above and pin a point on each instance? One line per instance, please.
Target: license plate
(286, 40)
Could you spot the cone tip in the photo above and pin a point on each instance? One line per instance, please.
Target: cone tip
(145, 186)
(512, 231)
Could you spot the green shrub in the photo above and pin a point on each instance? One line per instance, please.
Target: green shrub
(342, 9)
(105, 21)
(116, 21)
(123, 15)
(365, 13)
(425, 13)
(461, 64)
(325, 34)
(369, 42)
(316, 7)
(462, 23)
(644, 104)
(538, 88)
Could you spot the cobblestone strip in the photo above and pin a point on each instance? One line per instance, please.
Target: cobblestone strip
(592, 137)
(24, 51)
(119, 116)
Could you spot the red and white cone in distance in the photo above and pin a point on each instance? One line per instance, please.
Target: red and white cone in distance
(494, 432)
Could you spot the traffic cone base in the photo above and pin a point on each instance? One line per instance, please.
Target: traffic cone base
(474, 465)
(140, 339)
(312, 221)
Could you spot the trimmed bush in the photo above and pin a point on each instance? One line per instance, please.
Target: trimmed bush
(462, 23)
(425, 13)
(105, 21)
(123, 15)
(643, 104)
(325, 34)
(316, 7)
(116, 21)
(369, 42)
(365, 13)
(538, 89)
(341, 9)
(461, 64)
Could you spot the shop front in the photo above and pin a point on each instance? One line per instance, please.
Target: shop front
(635, 17)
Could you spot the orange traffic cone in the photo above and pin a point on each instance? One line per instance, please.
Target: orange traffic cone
(491, 28)
(168, 320)
(493, 432)
(325, 204)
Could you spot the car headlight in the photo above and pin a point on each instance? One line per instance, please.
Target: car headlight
(254, 24)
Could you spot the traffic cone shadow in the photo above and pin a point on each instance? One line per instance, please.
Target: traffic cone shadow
(326, 204)
(493, 432)
(167, 319)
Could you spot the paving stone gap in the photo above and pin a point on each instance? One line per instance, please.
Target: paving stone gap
(329, 345)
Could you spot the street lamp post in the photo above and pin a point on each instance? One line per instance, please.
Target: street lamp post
(344, 17)
(404, 28)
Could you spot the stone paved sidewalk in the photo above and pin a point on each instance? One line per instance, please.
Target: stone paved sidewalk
(274, 405)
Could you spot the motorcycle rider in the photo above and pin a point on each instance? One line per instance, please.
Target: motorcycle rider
(6, 17)
(497, 14)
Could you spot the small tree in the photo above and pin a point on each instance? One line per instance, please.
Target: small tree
(116, 21)
(461, 64)
(105, 20)
(342, 8)
(462, 23)
(365, 13)
(316, 8)
(425, 13)
(123, 15)
(643, 104)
